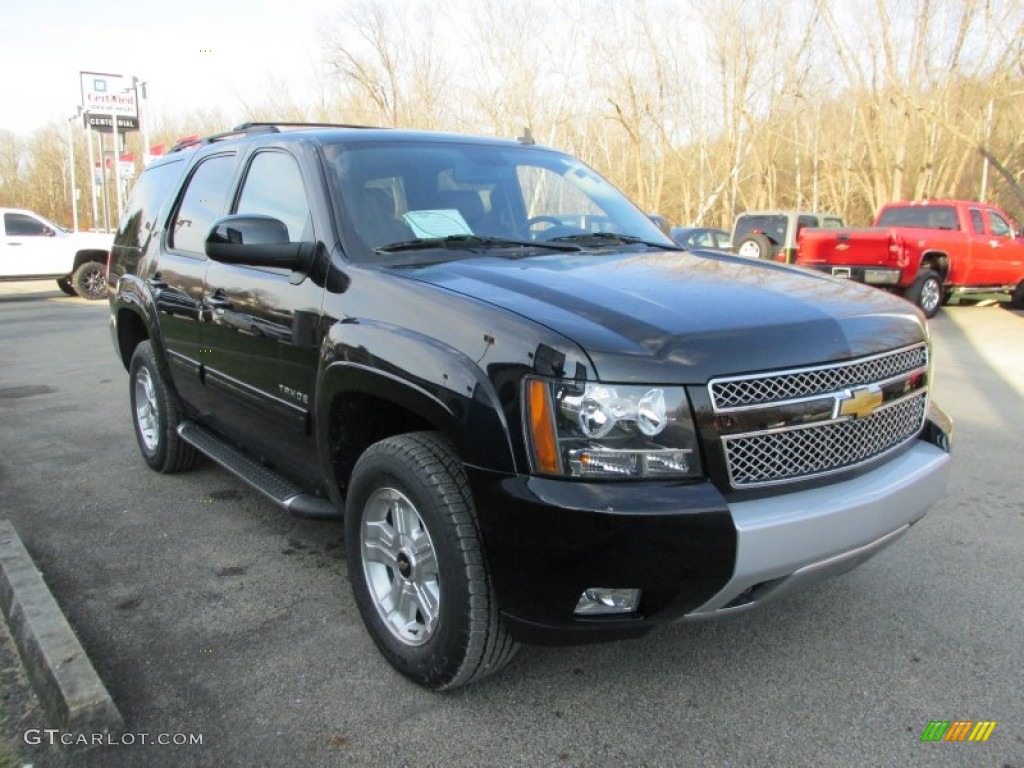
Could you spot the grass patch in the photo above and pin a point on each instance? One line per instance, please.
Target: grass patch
(19, 708)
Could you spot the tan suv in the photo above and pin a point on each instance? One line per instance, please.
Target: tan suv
(772, 234)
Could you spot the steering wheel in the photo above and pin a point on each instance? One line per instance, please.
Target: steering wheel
(557, 229)
(535, 220)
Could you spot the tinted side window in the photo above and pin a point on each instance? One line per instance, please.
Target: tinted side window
(273, 187)
(202, 204)
(19, 225)
(148, 196)
(977, 224)
(999, 226)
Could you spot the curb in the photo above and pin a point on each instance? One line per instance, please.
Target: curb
(63, 677)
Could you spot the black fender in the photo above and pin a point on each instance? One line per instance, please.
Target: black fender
(441, 386)
(134, 295)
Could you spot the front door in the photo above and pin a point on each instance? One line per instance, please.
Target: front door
(1004, 258)
(260, 347)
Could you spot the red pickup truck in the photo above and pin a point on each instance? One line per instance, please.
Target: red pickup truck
(927, 251)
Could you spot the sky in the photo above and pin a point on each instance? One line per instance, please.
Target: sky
(193, 53)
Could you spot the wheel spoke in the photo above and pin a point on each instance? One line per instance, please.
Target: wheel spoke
(379, 545)
(426, 560)
(427, 598)
(405, 519)
(404, 596)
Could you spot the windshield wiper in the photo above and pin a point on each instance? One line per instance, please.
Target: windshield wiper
(469, 242)
(611, 238)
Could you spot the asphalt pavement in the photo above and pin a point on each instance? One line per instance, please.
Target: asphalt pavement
(213, 616)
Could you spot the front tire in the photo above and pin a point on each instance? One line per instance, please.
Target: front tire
(926, 292)
(155, 416)
(417, 566)
(1017, 297)
(90, 281)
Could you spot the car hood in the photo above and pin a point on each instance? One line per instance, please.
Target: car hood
(685, 317)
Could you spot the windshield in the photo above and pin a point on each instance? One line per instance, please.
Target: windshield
(399, 192)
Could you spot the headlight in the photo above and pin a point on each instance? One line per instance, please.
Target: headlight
(597, 430)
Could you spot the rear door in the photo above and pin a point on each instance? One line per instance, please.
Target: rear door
(177, 283)
(967, 264)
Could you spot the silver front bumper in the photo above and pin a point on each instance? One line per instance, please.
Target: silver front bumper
(799, 538)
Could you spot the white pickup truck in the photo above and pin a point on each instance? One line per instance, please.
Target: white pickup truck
(34, 248)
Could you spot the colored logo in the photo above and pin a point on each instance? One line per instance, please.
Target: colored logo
(958, 730)
(859, 403)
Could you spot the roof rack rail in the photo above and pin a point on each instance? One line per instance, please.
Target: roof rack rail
(255, 128)
(276, 124)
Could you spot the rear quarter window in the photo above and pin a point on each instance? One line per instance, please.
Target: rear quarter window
(151, 192)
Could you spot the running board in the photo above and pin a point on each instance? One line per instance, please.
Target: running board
(971, 291)
(265, 480)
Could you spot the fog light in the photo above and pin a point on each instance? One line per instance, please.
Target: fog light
(603, 600)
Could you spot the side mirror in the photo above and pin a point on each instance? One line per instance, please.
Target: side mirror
(257, 241)
(661, 222)
(49, 232)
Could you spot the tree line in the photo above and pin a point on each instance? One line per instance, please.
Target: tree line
(697, 109)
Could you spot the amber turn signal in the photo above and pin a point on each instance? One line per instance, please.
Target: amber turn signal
(542, 427)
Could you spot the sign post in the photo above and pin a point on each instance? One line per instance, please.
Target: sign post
(117, 171)
(92, 175)
(71, 170)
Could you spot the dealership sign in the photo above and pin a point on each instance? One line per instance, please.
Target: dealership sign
(105, 123)
(105, 96)
(108, 95)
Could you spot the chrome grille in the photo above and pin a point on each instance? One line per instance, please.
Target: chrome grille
(785, 455)
(743, 391)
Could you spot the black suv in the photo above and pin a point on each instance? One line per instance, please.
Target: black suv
(540, 419)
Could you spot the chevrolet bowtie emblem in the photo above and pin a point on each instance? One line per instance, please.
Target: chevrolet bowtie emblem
(859, 403)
